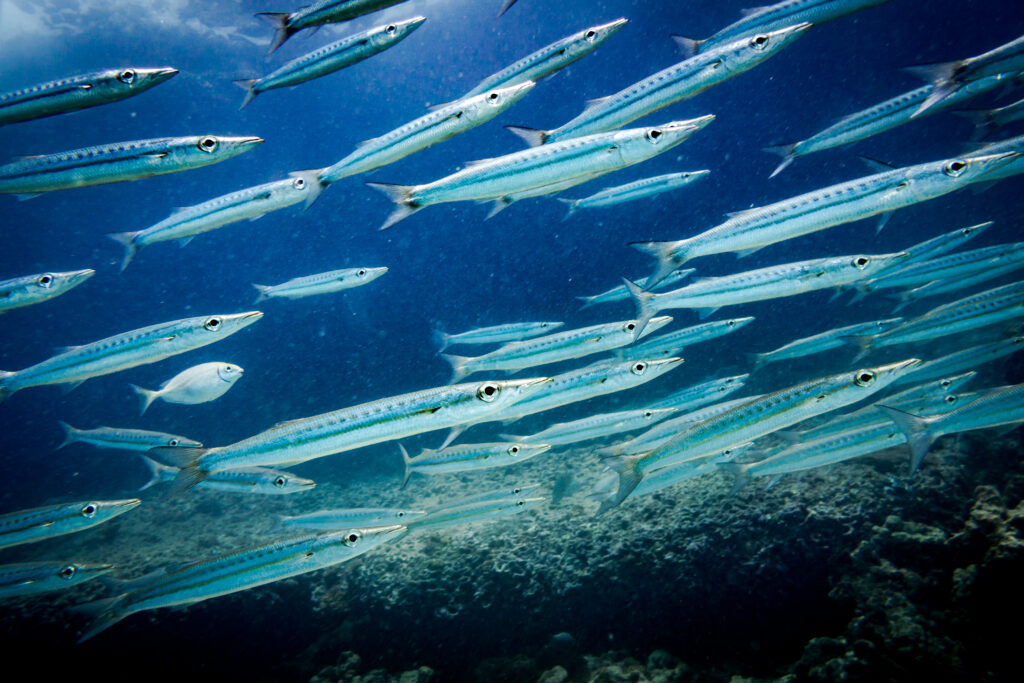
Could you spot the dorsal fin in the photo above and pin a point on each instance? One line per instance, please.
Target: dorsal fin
(747, 11)
(877, 165)
(597, 101)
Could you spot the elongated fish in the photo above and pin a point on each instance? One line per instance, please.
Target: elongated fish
(480, 511)
(39, 524)
(620, 292)
(531, 168)
(321, 283)
(701, 394)
(937, 246)
(668, 86)
(248, 204)
(317, 14)
(32, 578)
(595, 426)
(988, 121)
(496, 334)
(550, 58)
(998, 267)
(667, 430)
(755, 418)
(788, 279)
(469, 457)
(943, 268)
(748, 231)
(78, 92)
(348, 518)
(385, 419)
(198, 384)
(192, 582)
(123, 439)
(688, 469)
(437, 126)
(965, 359)
(127, 350)
(673, 343)
(787, 13)
(35, 289)
(118, 162)
(517, 491)
(638, 189)
(823, 341)
(330, 58)
(552, 348)
(246, 480)
(950, 77)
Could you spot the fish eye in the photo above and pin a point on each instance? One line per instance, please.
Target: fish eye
(516, 491)
(173, 442)
(590, 35)
(401, 513)
(207, 144)
(127, 76)
(280, 482)
(353, 538)
(88, 510)
(638, 368)
(864, 378)
(861, 262)
(950, 399)
(648, 413)
(955, 168)
(67, 571)
(520, 503)
(513, 450)
(361, 272)
(629, 327)
(44, 281)
(390, 30)
(487, 392)
(759, 42)
(213, 324)
(727, 451)
(944, 383)
(653, 134)
(299, 184)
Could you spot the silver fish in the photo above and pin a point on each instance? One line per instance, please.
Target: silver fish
(469, 457)
(248, 480)
(673, 343)
(321, 283)
(321, 12)
(620, 292)
(42, 523)
(496, 334)
(950, 77)
(34, 289)
(988, 121)
(701, 394)
(349, 518)
(467, 513)
(595, 427)
(123, 439)
(638, 189)
(823, 341)
(964, 359)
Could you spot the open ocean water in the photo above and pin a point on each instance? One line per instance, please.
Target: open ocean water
(730, 585)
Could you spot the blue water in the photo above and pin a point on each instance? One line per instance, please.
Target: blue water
(448, 267)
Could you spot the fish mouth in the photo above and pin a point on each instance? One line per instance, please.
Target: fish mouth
(77, 276)
(395, 531)
(414, 22)
(994, 162)
(251, 314)
(251, 140)
(699, 122)
(121, 506)
(162, 74)
(612, 26)
(903, 366)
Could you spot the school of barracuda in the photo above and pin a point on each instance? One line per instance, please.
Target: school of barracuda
(693, 432)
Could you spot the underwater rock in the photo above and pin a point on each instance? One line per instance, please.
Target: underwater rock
(556, 674)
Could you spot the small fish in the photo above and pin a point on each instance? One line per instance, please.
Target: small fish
(317, 14)
(998, 267)
(823, 341)
(198, 384)
(518, 491)
(32, 578)
(943, 268)
(128, 350)
(639, 189)
(321, 283)
(667, 430)
(701, 394)
(620, 292)
(42, 523)
(480, 511)
(688, 469)
(330, 58)
(123, 439)
(673, 343)
(348, 518)
(496, 334)
(118, 162)
(35, 289)
(469, 458)
(246, 480)
(595, 426)
(79, 92)
(964, 359)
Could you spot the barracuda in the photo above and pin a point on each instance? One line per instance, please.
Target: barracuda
(496, 334)
(998, 267)
(35, 289)
(42, 523)
(991, 120)
(620, 292)
(248, 204)
(348, 518)
(437, 126)
(32, 578)
(192, 582)
(397, 417)
(518, 491)
(78, 92)
(701, 394)
(532, 168)
(1013, 168)
(668, 86)
(950, 77)
(248, 480)
(965, 359)
(788, 13)
(997, 408)
(469, 457)
(123, 439)
(595, 427)
(748, 231)
(673, 343)
(127, 350)
(683, 471)
(825, 341)
(550, 58)
(755, 418)
(480, 511)
(317, 14)
(553, 348)
(877, 119)
(950, 266)
(330, 58)
(640, 189)
(321, 283)
(118, 162)
(788, 279)
(659, 434)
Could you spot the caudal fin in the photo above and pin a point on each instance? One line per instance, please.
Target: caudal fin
(105, 614)
(458, 364)
(262, 289)
(983, 120)
(407, 461)
(186, 459)
(400, 195)
(943, 76)
(441, 338)
(757, 360)
(155, 469)
(670, 255)
(571, 204)
(70, 435)
(246, 84)
(146, 397)
(788, 154)
(742, 478)
(534, 137)
(629, 479)
(920, 436)
(280, 22)
(5, 388)
(862, 342)
(127, 239)
(644, 310)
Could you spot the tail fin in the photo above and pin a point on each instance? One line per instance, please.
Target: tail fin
(407, 460)
(186, 459)
(668, 255)
(629, 479)
(146, 397)
(5, 390)
(441, 339)
(399, 194)
(70, 435)
(918, 431)
(155, 469)
(588, 301)
(312, 179)
(534, 137)
(688, 46)
(943, 75)
(571, 203)
(788, 154)
(903, 299)
(246, 84)
(262, 289)
(758, 360)
(458, 367)
(737, 470)
(862, 342)
(105, 614)
(644, 310)
(130, 248)
(506, 6)
(280, 23)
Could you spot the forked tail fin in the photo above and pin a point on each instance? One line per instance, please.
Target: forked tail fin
(571, 204)
(246, 84)
(943, 76)
(739, 472)
(146, 397)
(629, 479)
(688, 46)
(407, 460)
(279, 20)
(105, 614)
(70, 435)
(186, 459)
(127, 239)
(400, 195)
(788, 154)
(458, 364)
(862, 342)
(669, 256)
(918, 431)
(644, 310)
(262, 289)
(534, 137)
